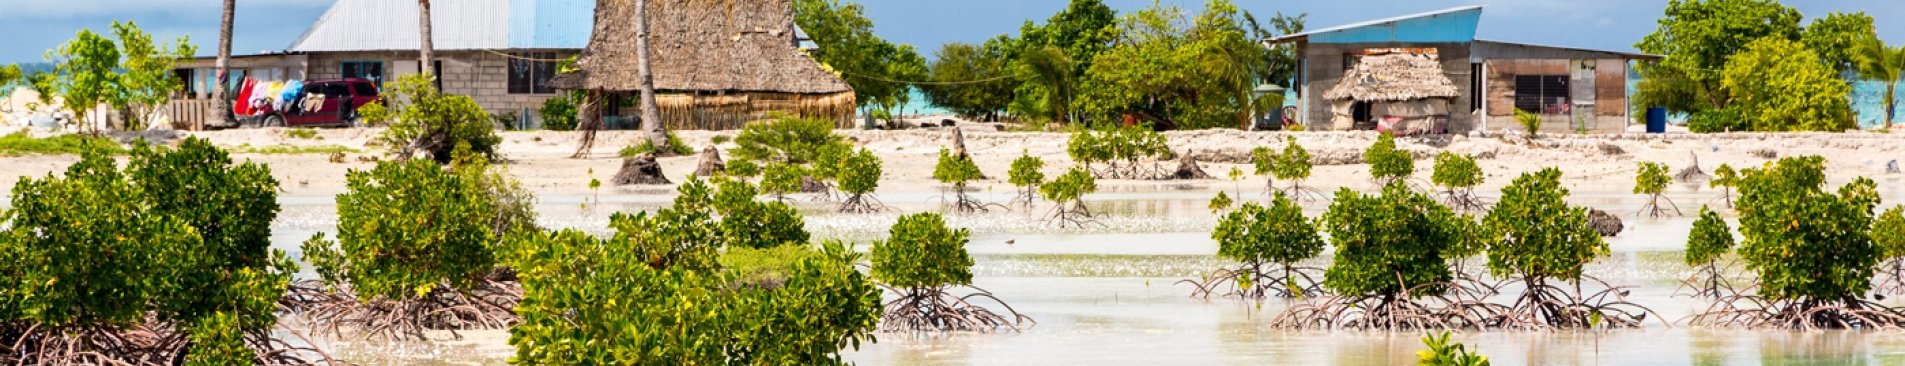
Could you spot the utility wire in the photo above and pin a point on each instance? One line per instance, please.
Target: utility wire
(986, 80)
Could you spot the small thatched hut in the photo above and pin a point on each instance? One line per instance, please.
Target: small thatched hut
(717, 65)
(1405, 92)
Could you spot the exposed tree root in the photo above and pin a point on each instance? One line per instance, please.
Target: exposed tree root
(1299, 193)
(1653, 208)
(160, 344)
(338, 312)
(1544, 306)
(1891, 277)
(1742, 308)
(1449, 309)
(921, 310)
(1707, 281)
(1026, 196)
(1463, 200)
(964, 203)
(1073, 214)
(1132, 170)
(863, 203)
(1255, 283)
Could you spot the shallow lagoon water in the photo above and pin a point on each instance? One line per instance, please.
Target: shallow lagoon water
(1106, 295)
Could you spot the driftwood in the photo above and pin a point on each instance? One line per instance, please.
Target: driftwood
(711, 163)
(959, 147)
(1187, 168)
(1605, 223)
(641, 169)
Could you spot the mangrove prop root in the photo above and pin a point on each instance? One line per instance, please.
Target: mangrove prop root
(153, 343)
(1741, 307)
(863, 203)
(1255, 283)
(1438, 310)
(338, 312)
(1132, 170)
(1545, 306)
(1299, 193)
(1072, 214)
(1890, 278)
(1026, 196)
(964, 203)
(921, 310)
(1463, 200)
(1706, 281)
(1653, 208)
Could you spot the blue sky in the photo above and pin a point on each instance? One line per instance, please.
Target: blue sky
(30, 27)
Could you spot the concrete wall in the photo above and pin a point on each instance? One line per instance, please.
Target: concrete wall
(1598, 88)
(1323, 67)
(484, 76)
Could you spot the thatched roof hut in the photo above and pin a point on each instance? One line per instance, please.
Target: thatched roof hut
(719, 63)
(1398, 92)
(1393, 77)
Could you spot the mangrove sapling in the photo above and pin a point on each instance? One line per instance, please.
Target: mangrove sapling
(1265, 161)
(1027, 174)
(1390, 269)
(1121, 149)
(1458, 175)
(780, 179)
(1725, 179)
(859, 175)
(921, 263)
(1652, 181)
(1442, 352)
(831, 167)
(1387, 164)
(424, 120)
(1888, 232)
(787, 140)
(1811, 249)
(1546, 242)
(413, 253)
(749, 223)
(957, 170)
(1293, 165)
(1067, 194)
(1269, 242)
(1220, 203)
(1709, 240)
(99, 269)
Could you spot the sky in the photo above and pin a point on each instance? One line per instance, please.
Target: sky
(28, 28)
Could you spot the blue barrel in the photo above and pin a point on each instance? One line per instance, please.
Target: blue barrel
(1656, 120)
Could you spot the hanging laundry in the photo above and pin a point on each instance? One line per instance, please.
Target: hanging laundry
(291, 90)
(242, 105)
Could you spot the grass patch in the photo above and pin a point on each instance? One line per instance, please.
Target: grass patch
(19, 143)
(765, 266)
(646, 147)
(292, 150)
(722, 139)
(302, 133)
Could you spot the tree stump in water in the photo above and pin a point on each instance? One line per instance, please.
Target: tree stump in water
(811, 185)
(1604, 223)
(641, 169)
(1187, 168)
(1891, 167)
(959, 148)
(711, 163)
(1692, 173)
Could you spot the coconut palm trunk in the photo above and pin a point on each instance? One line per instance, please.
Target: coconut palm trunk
(221, 108)
(426, 56)
(651, 112)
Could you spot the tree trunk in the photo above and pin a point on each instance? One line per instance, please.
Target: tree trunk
(221, 107)
(426, 53)
(651, 113)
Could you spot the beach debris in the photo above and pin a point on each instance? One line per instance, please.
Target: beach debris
(711, 163)
(1605, 223)
(337, 157)
(641, 169)
(1612, 149)
(1764, 153)
(1891, 167)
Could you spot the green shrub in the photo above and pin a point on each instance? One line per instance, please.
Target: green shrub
(1386, 162)
(743, 168)
(591, 301)
(1652, 179)
(785, 140)
(674, 145)
(1442, 352)
(405, 229)
(1726, 179)
(683, 235)
(954, 169)
(558, 113)
(1027, 173)
(1710, 239)
(18, 143)
(780, 179)
(423, 119)
(1293, 164)
(859, 175)
(231, 207)
(1718, 120)
(747, 223)
(216, 339)
(1388, 244)
(1456, 171)
(1221, 202)
(1543, 237)
(764, 266)
(1806, 243)
(1120, 147)
(1070, 187)
(1256, 235)
(721, 139)
(921, 252)
(1888, 232)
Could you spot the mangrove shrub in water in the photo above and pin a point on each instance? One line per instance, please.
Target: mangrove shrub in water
(922, 262)
(1278, 236)
(1544, 239)
(1026, 174)
(1458, 175)
(1067, 193)
(1386, 162)
(859, 174)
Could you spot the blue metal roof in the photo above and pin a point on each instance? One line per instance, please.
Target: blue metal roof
(1451, 25)
(391, 25)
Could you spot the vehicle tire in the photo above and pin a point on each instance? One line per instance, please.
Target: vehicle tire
(273, 121)
(354, 122)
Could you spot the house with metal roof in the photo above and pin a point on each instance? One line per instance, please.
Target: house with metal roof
(502, 53)
(1428, 73)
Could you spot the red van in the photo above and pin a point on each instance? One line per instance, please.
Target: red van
(323, 103)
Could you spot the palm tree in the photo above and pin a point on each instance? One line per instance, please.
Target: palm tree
(1876, 61)
(1050, 68)
(651, 113)
(424, 57)
(221, 108)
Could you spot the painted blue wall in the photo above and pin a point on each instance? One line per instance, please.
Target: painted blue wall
(1440, 28)
(550, 23)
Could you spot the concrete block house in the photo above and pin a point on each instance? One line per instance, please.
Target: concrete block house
(502, 53)
(1427, 73)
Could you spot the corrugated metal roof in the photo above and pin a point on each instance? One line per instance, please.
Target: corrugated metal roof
(1447, 25)
(391, 25)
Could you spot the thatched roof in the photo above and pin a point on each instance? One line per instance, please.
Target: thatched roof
(1393, 77)
(701, 45)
